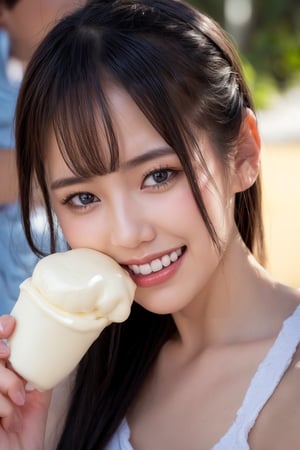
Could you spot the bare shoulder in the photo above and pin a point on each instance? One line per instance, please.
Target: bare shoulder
(288, 295)
(278, 425)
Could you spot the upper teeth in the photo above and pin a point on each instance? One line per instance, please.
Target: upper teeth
(156, 264)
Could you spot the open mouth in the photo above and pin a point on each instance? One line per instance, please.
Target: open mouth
(157, 264)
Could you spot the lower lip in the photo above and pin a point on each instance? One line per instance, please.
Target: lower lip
(159, 277)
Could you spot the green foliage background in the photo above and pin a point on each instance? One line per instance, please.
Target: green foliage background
(270, 51)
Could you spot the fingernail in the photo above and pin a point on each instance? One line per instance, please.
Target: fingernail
(29, 387)
(19, 397)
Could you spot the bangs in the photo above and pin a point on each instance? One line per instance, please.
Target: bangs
(81, 117)
(83, 129)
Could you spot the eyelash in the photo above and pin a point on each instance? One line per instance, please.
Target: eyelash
(171, 174)
(70, 198)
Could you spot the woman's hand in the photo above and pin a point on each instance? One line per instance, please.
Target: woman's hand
(22, 414)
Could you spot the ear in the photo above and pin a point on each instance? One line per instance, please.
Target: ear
(247, 153)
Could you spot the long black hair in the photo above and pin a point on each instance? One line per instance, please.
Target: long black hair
(182, 71)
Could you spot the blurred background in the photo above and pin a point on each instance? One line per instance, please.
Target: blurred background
(267, 35)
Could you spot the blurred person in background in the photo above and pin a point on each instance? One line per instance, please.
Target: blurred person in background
(23, 24)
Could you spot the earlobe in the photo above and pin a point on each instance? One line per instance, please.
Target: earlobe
(247, 154)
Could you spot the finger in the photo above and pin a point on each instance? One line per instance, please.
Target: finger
(4, 350)
(6, 406)
(11, 418)
(7, 325)
(12, 386)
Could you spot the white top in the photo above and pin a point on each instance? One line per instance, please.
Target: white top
(264, 382)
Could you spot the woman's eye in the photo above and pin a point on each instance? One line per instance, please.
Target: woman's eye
(81, 200)
(159, 177)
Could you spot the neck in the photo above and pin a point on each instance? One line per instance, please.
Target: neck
(228, 309)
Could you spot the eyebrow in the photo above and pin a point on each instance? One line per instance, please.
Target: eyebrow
(134, 162)
(68, 181)
(147, 156)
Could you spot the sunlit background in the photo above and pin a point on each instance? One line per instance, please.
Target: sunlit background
(267, 34)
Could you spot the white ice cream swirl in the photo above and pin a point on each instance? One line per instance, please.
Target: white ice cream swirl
(85, 282)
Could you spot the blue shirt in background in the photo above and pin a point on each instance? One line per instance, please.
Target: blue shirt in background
(16, 258)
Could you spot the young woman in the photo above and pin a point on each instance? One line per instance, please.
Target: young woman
(135, 121)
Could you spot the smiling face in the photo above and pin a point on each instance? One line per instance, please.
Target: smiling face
(144, 214)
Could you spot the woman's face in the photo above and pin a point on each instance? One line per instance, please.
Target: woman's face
(144, 214)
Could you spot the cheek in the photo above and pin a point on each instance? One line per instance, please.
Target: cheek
(220, 209)
(78, 231)
(70, 230)
(184, 217)
(177, 210)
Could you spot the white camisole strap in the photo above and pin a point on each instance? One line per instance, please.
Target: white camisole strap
(263, 384)
(120, 440)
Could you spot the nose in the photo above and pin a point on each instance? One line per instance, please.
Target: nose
(129, 226)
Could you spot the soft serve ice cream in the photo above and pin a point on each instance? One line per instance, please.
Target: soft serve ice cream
(61, 310)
